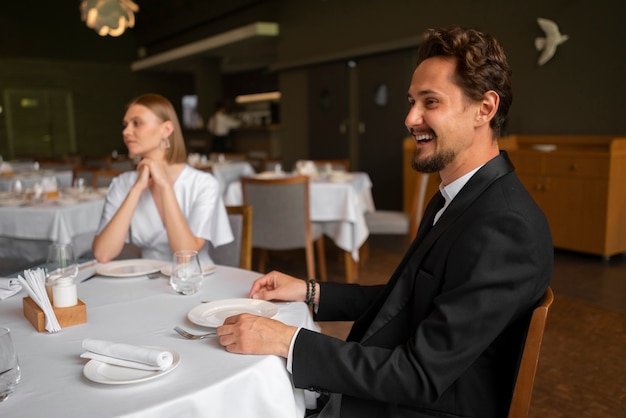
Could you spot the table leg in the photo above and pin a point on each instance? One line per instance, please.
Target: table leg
(352, 267)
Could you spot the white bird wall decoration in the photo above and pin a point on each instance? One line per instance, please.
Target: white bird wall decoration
(552, 39)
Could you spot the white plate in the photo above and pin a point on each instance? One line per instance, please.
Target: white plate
(110, 374)
(213, 314)
(130, 268)
(206, 270)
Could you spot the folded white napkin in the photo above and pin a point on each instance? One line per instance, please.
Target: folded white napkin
(127, 355)
(34, 281)
(9, 287)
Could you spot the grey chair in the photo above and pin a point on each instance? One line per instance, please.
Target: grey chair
(282, 221)
(239, 252)
(398, 222)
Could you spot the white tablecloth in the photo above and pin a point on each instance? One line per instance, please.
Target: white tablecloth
(339, 206)
(26, 232)
(29, 178)
(228, 172)
(209, 382)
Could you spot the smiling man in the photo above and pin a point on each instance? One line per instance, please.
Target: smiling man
(443, 337)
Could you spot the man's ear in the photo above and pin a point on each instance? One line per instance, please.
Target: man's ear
(488, 107)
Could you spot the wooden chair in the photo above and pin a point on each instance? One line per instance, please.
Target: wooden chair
(122, 163)
(239, 252)
(399, 222)
(522, 393)
(102, 178)
(282, 220)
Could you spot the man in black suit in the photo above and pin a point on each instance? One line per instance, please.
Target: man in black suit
(443, 337)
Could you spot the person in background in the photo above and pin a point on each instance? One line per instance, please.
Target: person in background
(220, 124)
(164, 205)
(444, 336)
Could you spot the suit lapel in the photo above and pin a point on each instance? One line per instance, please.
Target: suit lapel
(360, 327)
(399, 290)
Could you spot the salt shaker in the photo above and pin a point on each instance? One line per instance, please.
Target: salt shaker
(64, 292)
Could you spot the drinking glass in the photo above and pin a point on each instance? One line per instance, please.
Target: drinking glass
(16, 187)
(60, 263)
(9, 366)
(186, 276)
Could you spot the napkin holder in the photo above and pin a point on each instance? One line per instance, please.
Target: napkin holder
(67, 317)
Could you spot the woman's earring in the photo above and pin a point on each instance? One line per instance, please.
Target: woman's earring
(165, 143)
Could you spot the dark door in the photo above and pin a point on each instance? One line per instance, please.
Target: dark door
(329, 111)
(357, 110)
(383, 81)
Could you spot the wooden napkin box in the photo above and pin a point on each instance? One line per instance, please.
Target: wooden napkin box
(67, 317)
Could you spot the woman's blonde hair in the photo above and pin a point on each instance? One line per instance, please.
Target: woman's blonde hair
(163, 109)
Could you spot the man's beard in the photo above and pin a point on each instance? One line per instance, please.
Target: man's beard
(435, 163)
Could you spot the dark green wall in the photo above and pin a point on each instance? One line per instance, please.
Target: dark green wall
(44, 44)
(580, 90)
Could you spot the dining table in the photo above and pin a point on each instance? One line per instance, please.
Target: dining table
(28, 226)
(205, 380)
(338, 203)
(28, 178)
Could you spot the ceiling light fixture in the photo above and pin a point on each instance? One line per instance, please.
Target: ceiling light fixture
(109, 17)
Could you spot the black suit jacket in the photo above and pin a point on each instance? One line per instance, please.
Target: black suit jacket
(444, 336)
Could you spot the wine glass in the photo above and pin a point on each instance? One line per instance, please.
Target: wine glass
(60, 263)
(9, 367)
(186, 276)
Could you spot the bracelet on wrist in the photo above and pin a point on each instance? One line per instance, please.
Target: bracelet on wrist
(311, 300)
(308, 292)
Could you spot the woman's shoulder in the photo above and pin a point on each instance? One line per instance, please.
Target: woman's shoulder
(193, 175)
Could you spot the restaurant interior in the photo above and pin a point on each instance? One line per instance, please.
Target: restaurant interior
(326, 80)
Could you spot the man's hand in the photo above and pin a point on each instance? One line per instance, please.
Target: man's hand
(251, 334)
(278, 286)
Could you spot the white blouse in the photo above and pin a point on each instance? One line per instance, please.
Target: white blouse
(198, 195)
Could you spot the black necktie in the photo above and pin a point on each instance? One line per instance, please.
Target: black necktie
(435, 204)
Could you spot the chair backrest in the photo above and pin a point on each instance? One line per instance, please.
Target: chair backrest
(239, 252)
(122, 164)
(102, 178)
(522, 393)
(281, 211)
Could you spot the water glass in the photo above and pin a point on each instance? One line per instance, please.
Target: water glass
(16, 187)
(186, 276)
(60, 263)
(9, 366)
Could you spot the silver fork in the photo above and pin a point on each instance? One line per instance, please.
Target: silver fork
(191, 336)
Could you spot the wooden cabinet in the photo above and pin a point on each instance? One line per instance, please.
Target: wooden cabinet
(581, 187)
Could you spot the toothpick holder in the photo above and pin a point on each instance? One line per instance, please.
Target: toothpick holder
(67, 317)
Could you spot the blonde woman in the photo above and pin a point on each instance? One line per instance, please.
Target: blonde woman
(165, 205)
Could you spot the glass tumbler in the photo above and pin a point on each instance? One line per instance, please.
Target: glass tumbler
(9, 366)
(60, 263)
(186, 276)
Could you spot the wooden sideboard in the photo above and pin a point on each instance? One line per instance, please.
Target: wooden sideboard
(580, 183)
